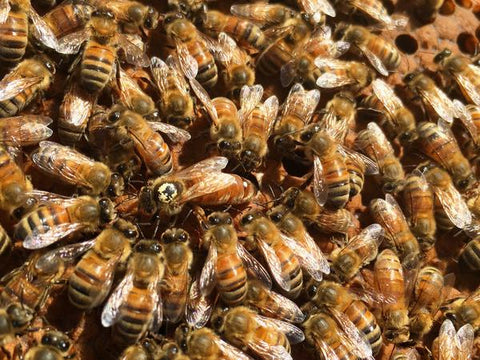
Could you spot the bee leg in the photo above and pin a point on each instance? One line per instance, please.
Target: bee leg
(6, 352)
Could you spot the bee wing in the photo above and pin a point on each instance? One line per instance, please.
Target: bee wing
(45, 197)
(387, 96)
(212, 165)
(288, 72)
(311, 246)
(378, 13)
(128, 89)
(188, 63)
(270, 108)
(174, 133)
(250, 97)
(4, 10)
(440, 103)
(199, 307)
(133, 54)
(208, 277)
(258, 12)
(274, 264)
(269, 352)
(25, 130)
(376, 134)
(160, 71)
(68, 156)
(465, 340)
(211, 182)
(319, 186)
(37, 240)
(116, 299)
(10, 88)
(374, 60)
(332, 79)
(157, 319)
(253, 267)
(293, 333)
(371, 167)
(224, 48)
(77, 105)
(230, 352)
(454, 206)
(372, 234)
(325, 349)
(467, 85)
(204, 98)
(466, 118)
(41, 30)
(71, 43)
(298, 98)
(317, 7)
(69, 252)
(446, 340)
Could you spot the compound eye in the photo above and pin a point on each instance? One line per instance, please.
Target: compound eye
(306, 136)
(312, 291)
(276, 217)
(46, 340)
(214, 220)
(182, 237)
(64, 345)
(247, 219)
(114, 116)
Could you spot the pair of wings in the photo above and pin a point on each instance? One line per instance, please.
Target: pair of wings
(164, 73)
(454, 344)
(378, 12)
(25, 130)
(336, 73)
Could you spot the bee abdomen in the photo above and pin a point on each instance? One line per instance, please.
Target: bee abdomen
(97, 66)
(470, 256)
(13, 37)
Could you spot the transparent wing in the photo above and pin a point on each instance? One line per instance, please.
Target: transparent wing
(211, 165)
(4, 10)
(230, 352)
(466, 118)
(311, 246)
(334, 80)
(454, 206)
(112, 307)
(466, 84)
(371, 167)
(174, 133)
(387, 96)
(208, 277)
(71, 43)
(376, 135)
(129, 89)
(303, 101)
(270, 109)
(465, 340)
(258, 12)
(160, 72)
(69, 252)
(77, 105)
(325, 349)
(224, 48)
(10, 88)
(199, 307)
(204, 98)
(274, 264)
(41, 30)
(269, 352)
(288, 72)
(439, 102)
(374, 60)
(371, 236)
(25, 130)
(211, 182)
(253, 266)
(38, 240)
(157, 316)
(377, 12)
(187, 62)
(446, 340)
(319, 186)
(313, 7)
(293, 333)
(177, 75)
(250, 96)
(133, 54)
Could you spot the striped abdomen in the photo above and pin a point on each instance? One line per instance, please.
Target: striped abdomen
(356, 173)
(290, 267)
(231, 278)
(5, 241)
(20, 288)
(271, 337)
(390, 280)
(207, 69)
(67, 18)
(337, 179)
(14, 105)
(239, 191)
(245, 32)
(385, 51)
(96, 66)
(274, 57)
(428, 289)
(13, 37)
(42, 220)
(470, 256)
(174, 295)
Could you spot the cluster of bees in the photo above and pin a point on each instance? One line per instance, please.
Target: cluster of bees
(199, 251)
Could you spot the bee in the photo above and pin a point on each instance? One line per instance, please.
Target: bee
(25, 130)
(77, 169)
(297, 112)
(266, 14)
(301, 68)
(397, 118)
(450, 208)
(68, 17)
(101, 42)
(176, 103)
(304, 205)
(452, 344)
(171, 351)
(135, 305)
(279, 52)
(383, 55)
(390, 283)
(145, 349)
(464, 310)
(438, 143)
(271, 304)
(419, 208)
(227, 262)
(92, 278)
(426, 300)
(15, 318)
(24, 83)
(204, 344)
(58, 217)
(132, 15)
(468, 257)
(345, 307)
(15, 29)
(358, 252)
(193, 53)
(339, 73)
(265, 337)
(427, 10)
(54, 345)
(257, 127)
(176, 279)
(148, 143)
(316, 9)
(373, 143)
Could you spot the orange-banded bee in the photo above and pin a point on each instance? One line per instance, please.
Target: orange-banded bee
(351, 313)
(176, 103)
(176, 278)
(227, 262)
(397, 232)
(438, 143)
(340, 73)
(463, 310)
(266, 14)
(454, 344)
(92, 278)
(148, 143)
(203, 184)
(77, 169)
(25, 130)
(397, 119)
(373, 143)
(265, 337)
(57, 217)
(53, 345)
(15, 318)
(15, 30)
(31, 283)
(68, 17)
(383, 55)
(135, 305)
(24, 83)
(358, 252)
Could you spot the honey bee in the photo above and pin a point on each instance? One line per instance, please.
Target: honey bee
(68, 17)
(373, 143)
(58, 217)
(469, 258)
(316, 9)
(135, 305)
(297, 112)
(92, 278)
(396, 117)
(345, 307)
(15, 29)
(265, 337)
(202, 184)
(450, 208)
(390, 282)
(77, 169)
(304, 205)
(464, 310)
(462, 70)
(99, 54)
(279, 52)
(145, 349)
(148, 143)
(419, 209)
(452, 344)
(227, 262)
(25, 130)
(339, 73)
(438, 143)
(266, 14)
(358, 252)
(54, 345)
(383, 55)
(271, 304)
(193, 53)
(32, 282)
(24, 83)
(132, 15)
(426, 299)
(176, 278)
(204, 344)
(176, 104)
(301, 68)
(15, 318)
